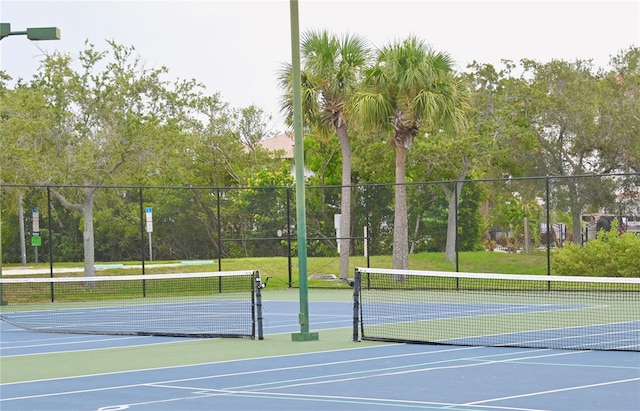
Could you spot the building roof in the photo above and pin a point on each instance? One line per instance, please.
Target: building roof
(283, 142)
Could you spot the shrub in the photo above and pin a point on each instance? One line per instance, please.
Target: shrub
(611, 254)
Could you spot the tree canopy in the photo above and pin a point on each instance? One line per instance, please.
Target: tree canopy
(101, 118)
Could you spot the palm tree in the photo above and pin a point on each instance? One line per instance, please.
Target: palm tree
(331, 71)
(411, 89)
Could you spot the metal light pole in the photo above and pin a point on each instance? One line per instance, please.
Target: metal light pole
(35, 33)
(303, 317)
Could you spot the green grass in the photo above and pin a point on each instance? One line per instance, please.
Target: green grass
(277, 268)
(504, 263)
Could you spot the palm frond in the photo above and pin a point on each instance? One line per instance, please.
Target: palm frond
(372, 108)
(418, 85)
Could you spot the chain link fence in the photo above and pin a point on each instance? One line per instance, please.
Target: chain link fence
(185, 224)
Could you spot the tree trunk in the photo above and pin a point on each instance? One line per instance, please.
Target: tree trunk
(416, 230)
(345, 203)
(88, 240)
(452, 196)
(87, 234)
(400, 222)
(576, 212)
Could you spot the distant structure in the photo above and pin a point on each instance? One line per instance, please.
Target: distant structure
(281, 142)
(284, 143)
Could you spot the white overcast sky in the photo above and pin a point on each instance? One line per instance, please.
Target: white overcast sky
(236, 47)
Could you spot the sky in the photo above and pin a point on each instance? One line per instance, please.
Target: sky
(236, 47)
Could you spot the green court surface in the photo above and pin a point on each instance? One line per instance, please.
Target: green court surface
(176, 351)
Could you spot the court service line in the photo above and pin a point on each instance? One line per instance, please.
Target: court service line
(578, 387)
(377, 347)
(142, 343)
(385, 372)
(339, 398)
(260, 392)
(292, 368)
(252, 372)
(54, 342)
(289, 368)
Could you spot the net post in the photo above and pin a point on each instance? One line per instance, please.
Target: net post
(258, 292)
(356, 305)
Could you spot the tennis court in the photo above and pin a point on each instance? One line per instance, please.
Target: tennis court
(59, 371)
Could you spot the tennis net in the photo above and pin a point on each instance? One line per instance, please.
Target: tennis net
(533, 311)
(211, 304)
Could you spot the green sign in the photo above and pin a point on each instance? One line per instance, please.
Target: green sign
(36, 241)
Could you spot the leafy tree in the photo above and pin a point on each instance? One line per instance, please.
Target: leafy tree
(499, 143)
(618, 120)
(323, 198)
(252, 126)
(500, 117)
(429, 209)
(106, 115)
(410, 89)
(222, 144)
(563, 101)
(450, 161)
(259, 211)
(511, 215)
(25, 121)
(544, 121)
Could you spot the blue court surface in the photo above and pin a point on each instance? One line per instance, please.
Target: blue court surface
(318, 375)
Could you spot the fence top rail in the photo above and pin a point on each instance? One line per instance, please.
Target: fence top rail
(222, 188)
(137, 187)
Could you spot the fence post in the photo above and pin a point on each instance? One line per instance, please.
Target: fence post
(548, 226)
(527, 235)
(142, 254)
(289, 266)
(455, 241)
(2, 301)
(50, 239)
(219, 229)
(367, 213)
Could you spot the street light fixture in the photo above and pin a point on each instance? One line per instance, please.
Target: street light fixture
(34, 33)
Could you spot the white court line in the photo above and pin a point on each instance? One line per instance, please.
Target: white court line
(273, 357)
(322, 364)
(260, 392)
(64, 341)
(252, 359)
(142, 343)
(400, 370)
(319, 364)
(577, 387)
(328, 398)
